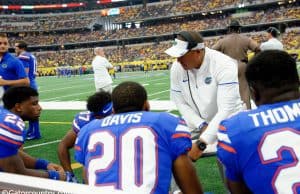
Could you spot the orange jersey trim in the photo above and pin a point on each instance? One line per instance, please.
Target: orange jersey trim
(178, 135)
(10, 141)
(77, 148)
(227, 147)
(10, 129)
(222, 128)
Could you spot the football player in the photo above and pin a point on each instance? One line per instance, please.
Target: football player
(98, 105)
(261, 148)
(135, 150)
(30, 64)
(21, 103)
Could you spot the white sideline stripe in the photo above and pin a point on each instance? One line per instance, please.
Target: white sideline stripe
(158, 92)
(61, 88)
(161, 105)
(76, 94)
(41, 144)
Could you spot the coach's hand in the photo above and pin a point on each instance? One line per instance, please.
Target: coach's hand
(195, 153)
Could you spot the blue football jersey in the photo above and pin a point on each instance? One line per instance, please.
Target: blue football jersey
(132, 151)
(262, 148)
(81, 119)
(29, 61)
(12, 133)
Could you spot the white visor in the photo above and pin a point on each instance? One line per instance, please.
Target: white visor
(180, 48)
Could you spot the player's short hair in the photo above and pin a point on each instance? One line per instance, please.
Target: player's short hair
(128, 96)
(22, 44)
(272, 69)
(3, 35)
(97, 101)
(17, 94)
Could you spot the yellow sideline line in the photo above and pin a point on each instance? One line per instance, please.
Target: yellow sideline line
(56, 122)
(76, 165)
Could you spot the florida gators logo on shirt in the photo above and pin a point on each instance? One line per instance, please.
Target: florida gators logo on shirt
(208, 80)
(4, 65)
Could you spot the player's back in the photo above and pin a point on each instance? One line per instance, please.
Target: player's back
(81, 119)
(132, 151)
(30, 62)
(265, 147)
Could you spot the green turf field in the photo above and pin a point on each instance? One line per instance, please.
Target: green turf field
(157, 83)
(55, 123)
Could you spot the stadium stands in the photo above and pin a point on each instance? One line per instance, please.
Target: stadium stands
(65, 28)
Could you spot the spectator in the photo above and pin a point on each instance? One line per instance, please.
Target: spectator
(272, 40)
(236, 46)
(101, 66)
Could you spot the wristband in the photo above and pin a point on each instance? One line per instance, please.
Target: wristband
(41, 164)
(69, 176)
(53, 174)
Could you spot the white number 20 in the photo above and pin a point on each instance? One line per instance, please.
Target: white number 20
(287, 177)
(132, 143)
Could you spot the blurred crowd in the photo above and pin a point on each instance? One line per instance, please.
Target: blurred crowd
(48, 22)
(154, 51)
(219, 21)
(38, 29)
(180, 7)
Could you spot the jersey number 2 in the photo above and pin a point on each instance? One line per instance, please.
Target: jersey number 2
(134, 170)
(287, 177)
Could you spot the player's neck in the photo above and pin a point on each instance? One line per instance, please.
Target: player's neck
(1, 55)
(271, 97)
(13, 111)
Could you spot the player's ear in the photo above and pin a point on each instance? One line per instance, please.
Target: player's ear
(113, 111)
(146, 106)
(18, 107)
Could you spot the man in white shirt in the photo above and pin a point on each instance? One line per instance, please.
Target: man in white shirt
(204, 86)
(101, 65)
(273, 43)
